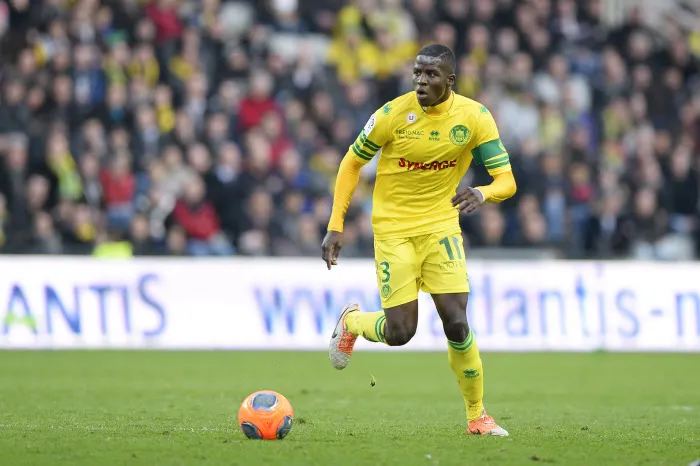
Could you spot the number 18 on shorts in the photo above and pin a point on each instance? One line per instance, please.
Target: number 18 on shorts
(434, 263)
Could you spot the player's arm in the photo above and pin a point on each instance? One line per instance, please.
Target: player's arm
(361, 152)
(490, 152)
(345, 185)
(501, 188)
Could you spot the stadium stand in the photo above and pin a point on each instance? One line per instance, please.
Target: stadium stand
(216, 128)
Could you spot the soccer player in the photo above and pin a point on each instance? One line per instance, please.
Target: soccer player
(428, 138)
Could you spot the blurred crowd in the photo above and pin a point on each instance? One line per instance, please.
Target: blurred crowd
(209, 127)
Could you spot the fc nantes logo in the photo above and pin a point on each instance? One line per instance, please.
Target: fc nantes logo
(459, 135)
(386, 290)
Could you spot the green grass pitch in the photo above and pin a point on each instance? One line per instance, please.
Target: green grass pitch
(179, 408)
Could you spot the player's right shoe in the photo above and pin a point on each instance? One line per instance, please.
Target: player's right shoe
(485, 425)
(342, 341)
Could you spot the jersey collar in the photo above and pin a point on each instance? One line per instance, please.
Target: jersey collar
(441, 108)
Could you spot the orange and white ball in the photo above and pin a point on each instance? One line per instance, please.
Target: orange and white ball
(266, 415)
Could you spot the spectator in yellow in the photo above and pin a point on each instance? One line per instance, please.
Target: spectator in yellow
(479, 43)
(353, 17)
(392, 54)
(144, 65)
(165, 113)
(468, 79)
(394, 17)
(60, 161)
(116, 63)
(353, 56)
(185, 64)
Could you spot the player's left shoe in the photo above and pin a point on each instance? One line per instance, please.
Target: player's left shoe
(342, 341)
(485, 425)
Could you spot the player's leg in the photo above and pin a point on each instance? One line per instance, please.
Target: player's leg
(445, 278)
(396, 323)
(462, 352)
(465, 361)
(394, 326)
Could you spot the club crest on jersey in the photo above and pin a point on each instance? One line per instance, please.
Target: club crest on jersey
(411, 118)
(386, 290)
(460, 135)
(369, 126)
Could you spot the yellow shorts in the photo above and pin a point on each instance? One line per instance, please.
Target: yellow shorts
(433, 263)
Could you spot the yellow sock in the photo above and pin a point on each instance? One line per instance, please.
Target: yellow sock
(368, 324)
(466, 364)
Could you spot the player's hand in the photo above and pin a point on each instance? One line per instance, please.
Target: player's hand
(330, 248)
(468, 200)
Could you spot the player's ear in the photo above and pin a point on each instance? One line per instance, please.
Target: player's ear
(451, 80)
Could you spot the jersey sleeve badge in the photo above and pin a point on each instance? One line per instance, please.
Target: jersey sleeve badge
(369, 126)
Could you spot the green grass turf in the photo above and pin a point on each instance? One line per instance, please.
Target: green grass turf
(179, 408)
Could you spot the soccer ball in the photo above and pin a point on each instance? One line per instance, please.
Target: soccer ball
(265, 415)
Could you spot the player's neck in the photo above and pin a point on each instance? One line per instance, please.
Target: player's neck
(441, 107)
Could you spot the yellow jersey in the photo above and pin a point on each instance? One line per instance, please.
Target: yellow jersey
(423, 155)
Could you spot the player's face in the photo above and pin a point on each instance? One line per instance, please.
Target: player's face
(431, 81)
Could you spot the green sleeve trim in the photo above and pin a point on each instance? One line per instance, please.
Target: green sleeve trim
(366, 142)
(357, 148)
(498, 161)
(361, 154)
(496, 170)
(500, 164)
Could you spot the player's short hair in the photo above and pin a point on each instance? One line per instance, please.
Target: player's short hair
(442, 53)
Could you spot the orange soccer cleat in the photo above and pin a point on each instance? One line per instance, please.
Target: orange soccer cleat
(485, 425)
(342, 341)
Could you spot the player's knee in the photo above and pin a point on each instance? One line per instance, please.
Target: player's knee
(456, 330)
(399, 335)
